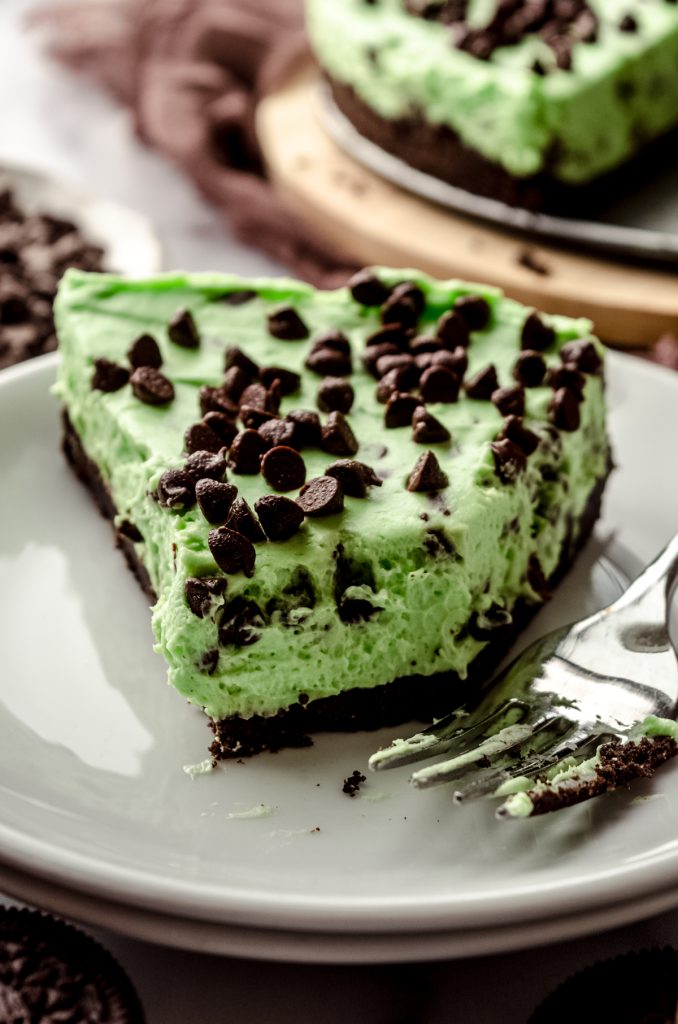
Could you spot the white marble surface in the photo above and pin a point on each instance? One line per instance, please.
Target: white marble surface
(62, 124)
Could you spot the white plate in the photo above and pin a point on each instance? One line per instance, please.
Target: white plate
(92, 793)
(640, 225)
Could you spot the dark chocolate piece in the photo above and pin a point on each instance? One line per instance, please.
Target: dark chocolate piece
(453, 330)
(426, 429)
(176, 490)
(509, 460)
(200, 437)
(566, 377)
(242, 519)
(286, 324)
(397, 361)
(236, 357)
(289, 380)
(424, 343)
(307, 428)
(392, 334)
(108, 376)
(353, 783)
(329, 362)
(151, 386)
(231, 551)
(337, 436)
(474, 309)
(283, 468)
(335, 395)
(482, 384)
(582, 355)
(529, 368)
(206, 464)
(374, 353)
(321, 496)
(182, 330)
(144, 351)
(514, 430)
(367, 289)
(628, 24)
(354, 477)
(235, 381)
(215, 500)
(400, 309)
(201, 592)
(509, 401)
(221, 425)
(396, 380)
(564, 409)
(400, 409)
(276, 431)
(252, 418)
(439, 384)
(280, 517)
(455, 360)
(536, 334)
(244, 455)
(427, 475)
(257, 397)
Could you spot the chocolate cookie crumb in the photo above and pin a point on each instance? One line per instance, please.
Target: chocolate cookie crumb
(353, 783)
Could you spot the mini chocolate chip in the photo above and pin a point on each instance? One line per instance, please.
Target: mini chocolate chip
(307, 429)
(372, 355)
(256, 396)
(509, 401)
(215, 499)
(400, 409)
(583, 355)
(280, 517)
(130, 531)
(423, 360)
(222, 425)
(182, 330)
(482, 384)
(439, 384)
(564, 409)
(206, 464)
(253, 418)
(335, 394)
(108, 376)
(329, 362)
(276, 431)
(392, 334)
(514, 430)
(400, 309)
(452, 330)
(289, 380)
(427, 474)
(509, 459)
(286, 324)
(424, 343)
(529, 368)
(409, 290)
(334, 340)
(402, 361)
(455, 360)
(144, 351)
(475, 311)
(216, 400)
(354, 477)
(236, 357)
(200, 437)
(236, 380)
(176, 490)
(242, 519)
(367, 289)
(201, 592)
(566, 377)
(321, 496)
(337, 436)
(283, 468)
(628, 24)
(151, 386)
(239, 298)
(536, 334)
(244, 455)
(395, 380)
(231, 551)
(426, 429)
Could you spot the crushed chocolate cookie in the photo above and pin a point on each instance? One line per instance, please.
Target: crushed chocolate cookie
(231, 551)
(200, 437)
(241, 623)
(438, 544)
(439, 384)
(286, 324)
(215, 500)
(509, 460)
(337, 436)
(536, 334)
(182, 330)
(108, 376)
(280, 517)
(256, 396)
(564, 409)
(144, 351)
(529, 368)
(453, 330)
(509, 401)
(400, 409)
(200, 593)
(354, 477)
(151, 386)
(307, 428)
(283, 468)
(236, 357)
(244, 455)
(513, 430)
(176, 490)
(455, 360)
(335, 395)
(289, 381)
(242, 519)
(353, 783)
(321, 496)
(427, 474)
(474, 309)
(426, 429)
(482, 385)
(367, 289)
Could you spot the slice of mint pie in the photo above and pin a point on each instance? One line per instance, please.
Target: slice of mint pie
(343, 504)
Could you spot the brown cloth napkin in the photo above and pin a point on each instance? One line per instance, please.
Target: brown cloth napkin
(192, 72)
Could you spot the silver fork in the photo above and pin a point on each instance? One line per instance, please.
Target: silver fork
(586, 708)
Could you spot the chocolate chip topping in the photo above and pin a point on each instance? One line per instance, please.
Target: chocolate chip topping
(216, 400)
(628, 24)
(566, 377)
(221, 425)
(108, 376)
(529, 368)
(514, 430)
(334, 340)
(374, 353)
(206, 464)
(354, 477)
(335, 395)
(400, 309)
(426, 429)
(215, 500)
(182, 330)
(286, 324)
(200, 593)
(455, 360)
(252, 418)
(244, 455)
(289, 380)
(564, 409)
(238, 298)
(509, 401)
(424, 343)
(144, 351)
(280, 517)
(151, 386)
(242, 519)
(200, 437)
(509, 460)
(582, 355)
(337, 436)
(321, 496)
(176, 490)
(439, 384)
(307, 429)
(367, 289)
(427, 475)
(231, 551)
(392, 334)
(392, 382)
(411, 291)
(453, 330)
(283, 468)
(474, 309)
(236, 380)
(482, 384)
(397, 361)
(328, 362)
(276, 431)
(536, 334)
(236, 357)
(400, 409)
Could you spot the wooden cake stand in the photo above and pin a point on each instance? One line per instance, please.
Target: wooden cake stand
(373, 221)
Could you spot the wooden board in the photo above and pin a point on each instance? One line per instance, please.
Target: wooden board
(373, 221)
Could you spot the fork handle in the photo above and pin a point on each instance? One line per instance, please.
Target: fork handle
(649, 594)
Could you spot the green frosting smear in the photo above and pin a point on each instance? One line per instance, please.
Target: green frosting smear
(421, 565)
(621, 92)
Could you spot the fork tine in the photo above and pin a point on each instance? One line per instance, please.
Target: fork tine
(445, 735)
(500, 743)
